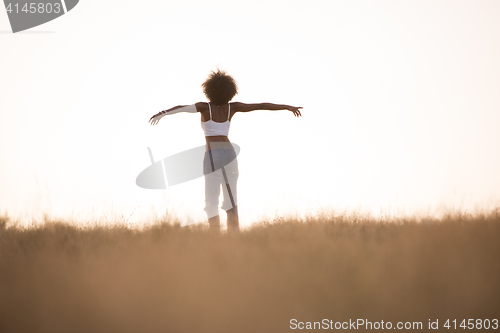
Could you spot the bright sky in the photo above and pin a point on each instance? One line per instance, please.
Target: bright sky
(401, 105)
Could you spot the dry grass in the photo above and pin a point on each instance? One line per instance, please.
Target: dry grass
(170, 279)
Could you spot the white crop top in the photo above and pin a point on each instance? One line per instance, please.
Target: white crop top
(213, 128)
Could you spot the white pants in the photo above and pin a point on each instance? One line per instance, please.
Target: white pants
(225, 164)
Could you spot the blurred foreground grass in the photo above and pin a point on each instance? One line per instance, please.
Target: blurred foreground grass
(166, 278)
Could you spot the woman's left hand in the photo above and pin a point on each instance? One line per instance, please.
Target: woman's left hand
(156, 118)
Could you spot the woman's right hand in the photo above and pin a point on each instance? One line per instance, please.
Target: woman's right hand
(295, 110)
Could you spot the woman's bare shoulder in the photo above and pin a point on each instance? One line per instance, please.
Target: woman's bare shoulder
(201, 106)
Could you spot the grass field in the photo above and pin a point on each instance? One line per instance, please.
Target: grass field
(60, 278)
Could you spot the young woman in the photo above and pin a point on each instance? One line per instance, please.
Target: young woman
(220, 165)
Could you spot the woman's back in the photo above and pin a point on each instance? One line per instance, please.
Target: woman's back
(216, 113)
(212, 125)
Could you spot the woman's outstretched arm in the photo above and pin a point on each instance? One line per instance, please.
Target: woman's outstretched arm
(242, 107)
(179, 108)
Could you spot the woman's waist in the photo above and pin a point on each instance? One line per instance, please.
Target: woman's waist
(217, 138)
(218, 143)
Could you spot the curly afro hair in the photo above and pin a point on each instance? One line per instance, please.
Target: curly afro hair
(220, 87)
